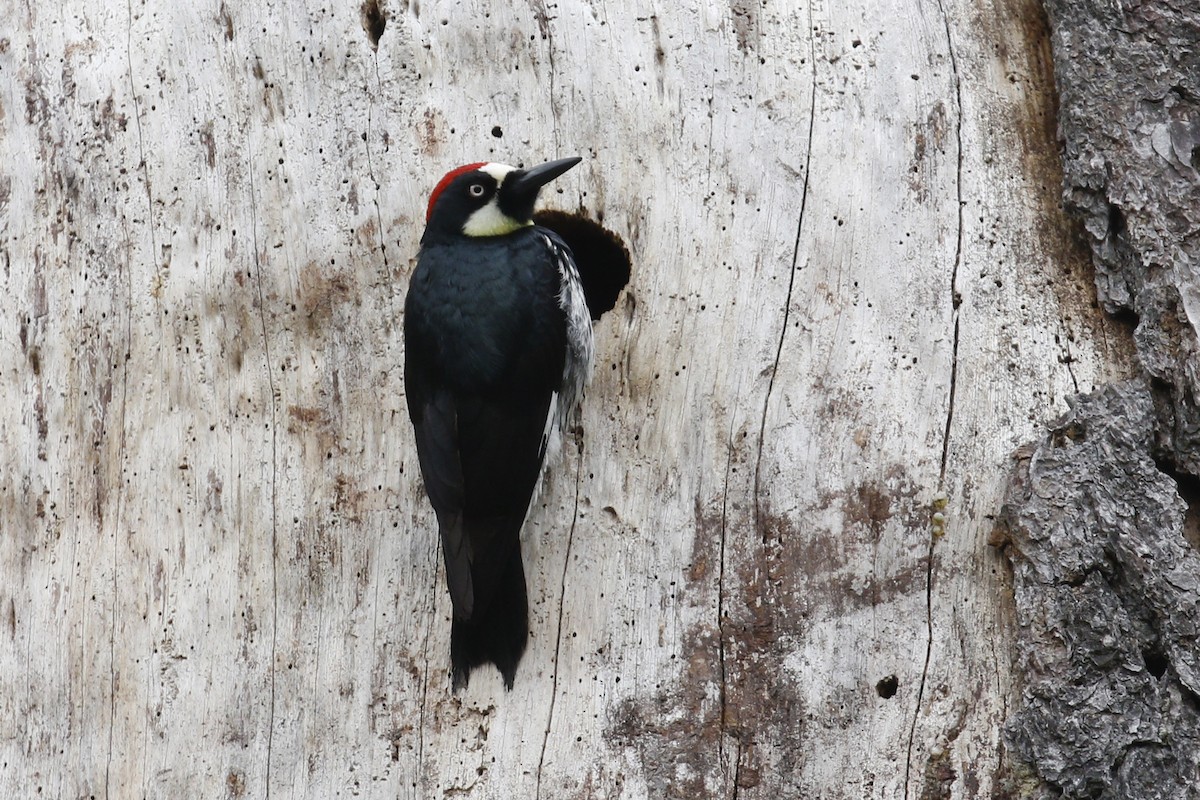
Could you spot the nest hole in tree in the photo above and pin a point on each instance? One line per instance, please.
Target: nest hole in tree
(886, 688)
(601, 256)
(374, 21)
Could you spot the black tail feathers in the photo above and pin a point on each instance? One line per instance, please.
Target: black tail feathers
(498, 630)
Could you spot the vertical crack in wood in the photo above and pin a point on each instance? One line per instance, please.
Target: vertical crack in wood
(262, 317)
(371, 165)
(145, 168)
(558, 633)
(787, 307)
(120, 502)
(955, 301)
(419, 784)
(143, 165)
(722, 722)
(553, 97)
(541, 16)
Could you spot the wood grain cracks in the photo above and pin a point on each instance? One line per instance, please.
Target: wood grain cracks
(721, 628)
(262, 317)
(419, 789)
(145, 168)
(119, 507)
(955, 302)
(787, 307)
(542, 16)
(558, 632)
(143, 164)
(370, 161)
(419, 779)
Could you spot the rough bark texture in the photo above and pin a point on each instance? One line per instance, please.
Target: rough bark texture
(1103, 545)
(1129, 93)
(1108, 607)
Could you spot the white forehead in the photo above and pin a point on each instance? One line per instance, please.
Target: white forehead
(497, 171)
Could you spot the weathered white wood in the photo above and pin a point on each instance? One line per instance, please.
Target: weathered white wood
(220, 577)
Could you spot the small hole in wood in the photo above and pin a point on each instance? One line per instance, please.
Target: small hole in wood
(886, 688)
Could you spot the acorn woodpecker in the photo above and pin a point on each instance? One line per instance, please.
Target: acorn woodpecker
(497, 350)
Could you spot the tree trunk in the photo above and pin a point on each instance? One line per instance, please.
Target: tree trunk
(1102, 513)
(854, 295)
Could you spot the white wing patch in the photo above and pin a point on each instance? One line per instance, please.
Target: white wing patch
(577, 368)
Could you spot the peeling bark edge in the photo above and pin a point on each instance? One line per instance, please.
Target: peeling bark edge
(1129, 117)
(1105, 579)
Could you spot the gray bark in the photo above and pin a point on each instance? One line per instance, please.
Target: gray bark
(1129, 95)
(1107, 607)
(1103, 542)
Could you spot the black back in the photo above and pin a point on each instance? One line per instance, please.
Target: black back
(485, 343)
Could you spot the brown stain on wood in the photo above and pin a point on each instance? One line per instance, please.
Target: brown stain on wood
(348, 498)
(321, 292)
(209, 143)
(428, 131)
(225, 21)
(317, 426)
(235, 784)
(746, 29)
(1021, 35)
(765, 612)
(929, 145)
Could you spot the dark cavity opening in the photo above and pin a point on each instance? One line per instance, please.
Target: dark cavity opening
(1116, 221)
(1187, 486)
(602, 258)
(374, 21)
(497, 131)
(1156, 662)
(1128, 317)
(886, 688)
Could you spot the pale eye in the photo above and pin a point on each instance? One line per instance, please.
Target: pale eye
(476, 190)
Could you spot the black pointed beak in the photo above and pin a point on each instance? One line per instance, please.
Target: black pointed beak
(519, 192)
(529, 181)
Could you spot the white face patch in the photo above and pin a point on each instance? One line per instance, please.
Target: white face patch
(490, 220)
(498, 171)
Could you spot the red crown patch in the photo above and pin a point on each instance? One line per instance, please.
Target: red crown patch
(446, 181)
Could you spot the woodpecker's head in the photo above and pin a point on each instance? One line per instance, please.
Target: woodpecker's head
(487, 199)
